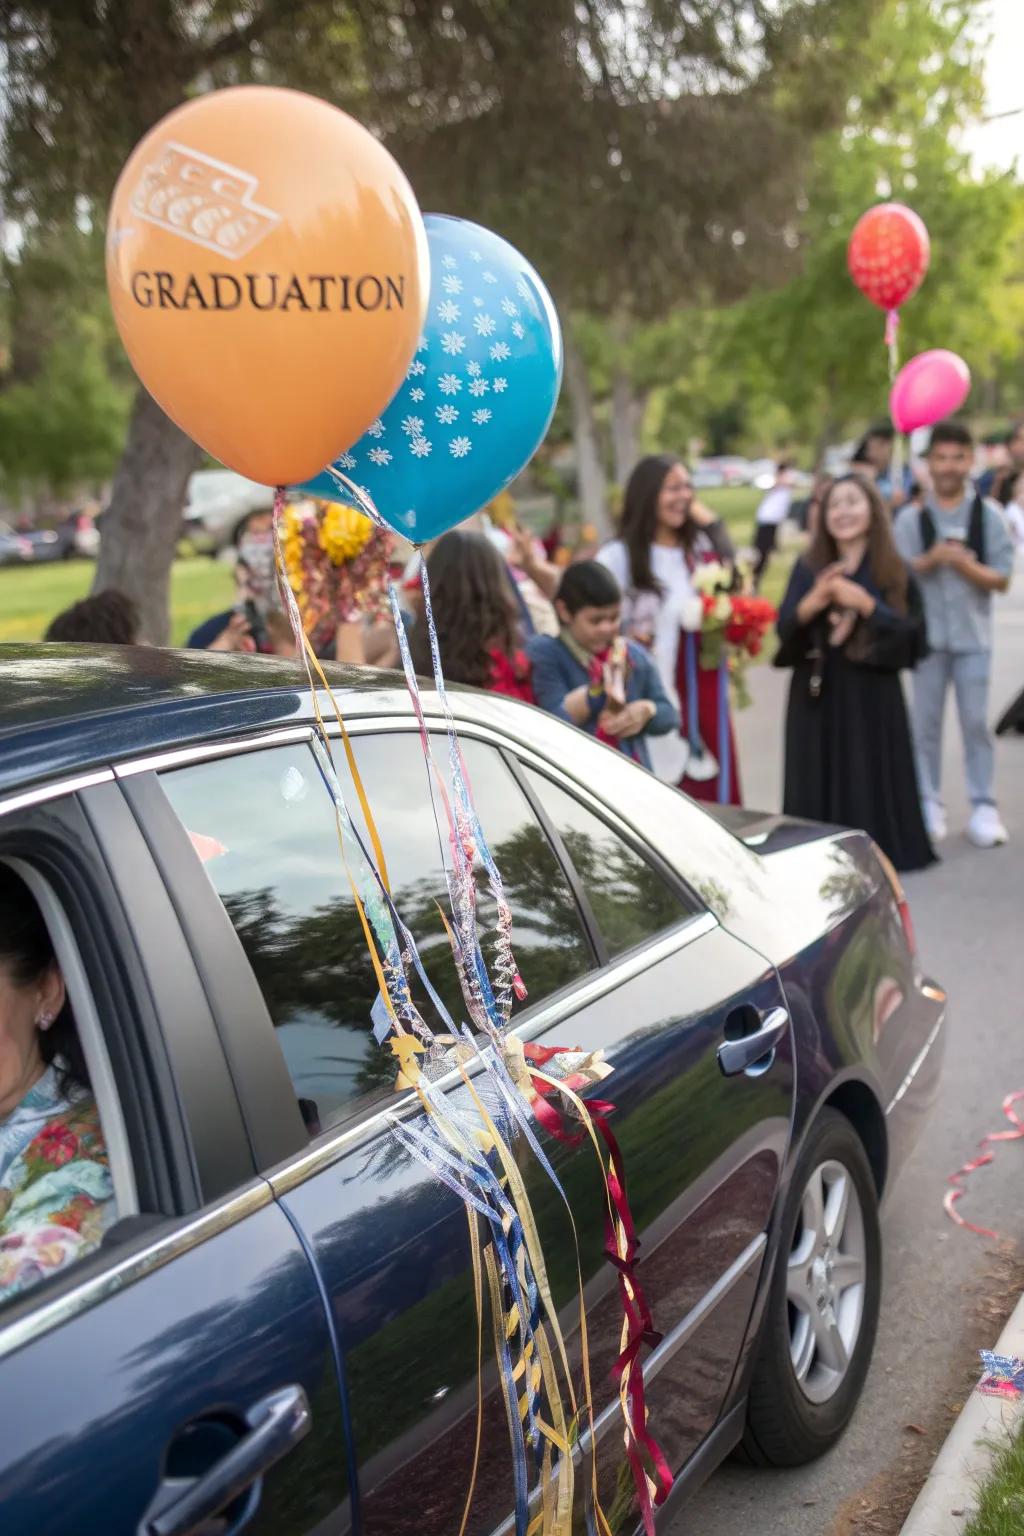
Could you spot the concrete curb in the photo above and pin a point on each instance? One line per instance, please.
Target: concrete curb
(946, 1502)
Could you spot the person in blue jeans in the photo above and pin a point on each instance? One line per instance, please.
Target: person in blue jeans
(961, 552)
(592, 677)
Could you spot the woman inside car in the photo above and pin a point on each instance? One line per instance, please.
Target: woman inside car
(56, 1195)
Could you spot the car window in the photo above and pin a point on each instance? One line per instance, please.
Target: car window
(264, 826)
(630, 900)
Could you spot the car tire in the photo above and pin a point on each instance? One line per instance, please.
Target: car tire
(820, 1322)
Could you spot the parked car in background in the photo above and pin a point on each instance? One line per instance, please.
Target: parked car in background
(277, 1332)
(707, 477)
(15, 548)
(218, 503)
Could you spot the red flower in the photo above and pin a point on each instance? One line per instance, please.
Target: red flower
(55, 1144)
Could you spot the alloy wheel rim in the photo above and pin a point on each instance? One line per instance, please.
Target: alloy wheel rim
(825, 1281)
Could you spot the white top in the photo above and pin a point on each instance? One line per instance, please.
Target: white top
(668, 565)
(1015, 520)
(774, 508)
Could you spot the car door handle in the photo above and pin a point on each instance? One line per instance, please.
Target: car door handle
(276, 1424)
(737, 1056)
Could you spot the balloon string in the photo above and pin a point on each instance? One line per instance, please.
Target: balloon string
(984, 1158)
(892, 342)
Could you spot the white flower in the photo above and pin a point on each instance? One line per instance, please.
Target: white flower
(489, 277)
(500, 386)
(380, 456)
(479, 387)
(451, 284)
(448, 312)
(518, 330)
(475, 256)
(453, 342)
(417, 369)
(421, 447)
(413, 425)
(417, 395)
(510, 309)
(710, 577)
(449, 383)
(484, 325)
(481, 418)
(446, 414)
(449, 262)
(347, 461)
(377, 430)
(523, 288)
(459, 447)
(473, 369)
(500, 351)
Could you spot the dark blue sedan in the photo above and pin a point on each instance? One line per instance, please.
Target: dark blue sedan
(277, 1333)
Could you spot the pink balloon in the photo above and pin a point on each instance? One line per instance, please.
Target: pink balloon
(932, 385)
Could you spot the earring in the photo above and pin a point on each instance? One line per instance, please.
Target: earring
(45, 1020)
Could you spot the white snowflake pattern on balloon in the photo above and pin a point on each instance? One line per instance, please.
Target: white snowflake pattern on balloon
(413, 425)
(449, 383)
(476, 256)
(451, 284)
(417, 369)
(453, 343)
(489, 277)
(523, 289)
(446, 415)
(449, 262)
(380, 456)
(421, 447)
(481, 417)
(347, 461)
(500, 351)
(448, 312)
(500, 385)
(479, 387)
(509, 308)
(417, 396)
(484, 325)
(459, 447)
(519, 330)
(424, 345)
(473, 369)
(377, 430)
(479, 303)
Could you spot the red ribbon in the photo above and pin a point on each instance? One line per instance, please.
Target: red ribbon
(640, 1328)
(956, 1179)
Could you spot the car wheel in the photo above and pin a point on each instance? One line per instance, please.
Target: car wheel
(822, 1314)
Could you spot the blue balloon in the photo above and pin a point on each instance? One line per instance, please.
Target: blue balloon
(479, 394)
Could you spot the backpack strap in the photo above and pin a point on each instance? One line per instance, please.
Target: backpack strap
(926, 526)
(976, 529)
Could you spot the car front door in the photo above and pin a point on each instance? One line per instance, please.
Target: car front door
(617, 956)
(180, 1378)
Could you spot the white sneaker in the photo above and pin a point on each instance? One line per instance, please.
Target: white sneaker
(985, 830)
(934, 819)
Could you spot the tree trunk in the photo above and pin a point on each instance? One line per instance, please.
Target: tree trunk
(627, 418)
(142, 525)
(590, 469)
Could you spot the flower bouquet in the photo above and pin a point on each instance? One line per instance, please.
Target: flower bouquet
(338, 564)
(732, 626)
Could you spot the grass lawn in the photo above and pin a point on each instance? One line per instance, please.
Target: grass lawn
(30, 596)
(1001, 1500)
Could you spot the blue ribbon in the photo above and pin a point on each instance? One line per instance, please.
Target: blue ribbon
(724, 743)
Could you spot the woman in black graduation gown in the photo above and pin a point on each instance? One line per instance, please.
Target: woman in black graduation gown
(851, 621)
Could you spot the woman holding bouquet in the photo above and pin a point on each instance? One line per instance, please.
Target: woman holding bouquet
(664, 535)
(851, 620)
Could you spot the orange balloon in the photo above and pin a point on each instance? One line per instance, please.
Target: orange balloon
(268, 269)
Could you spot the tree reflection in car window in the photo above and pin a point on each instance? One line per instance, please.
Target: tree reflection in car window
(264, 826)
(631, 902)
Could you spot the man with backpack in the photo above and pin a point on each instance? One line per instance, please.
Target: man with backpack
(960, 549)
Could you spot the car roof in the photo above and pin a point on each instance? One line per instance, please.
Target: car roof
(68, 709)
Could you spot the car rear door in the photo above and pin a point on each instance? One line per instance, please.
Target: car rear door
(617, 956)
(180, 1379)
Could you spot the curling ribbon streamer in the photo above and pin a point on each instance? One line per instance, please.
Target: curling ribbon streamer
(982, 1161)
(892, 342)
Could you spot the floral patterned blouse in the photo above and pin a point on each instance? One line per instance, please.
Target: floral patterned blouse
(56, 1194)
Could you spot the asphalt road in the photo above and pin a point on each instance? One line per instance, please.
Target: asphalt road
(968, 914)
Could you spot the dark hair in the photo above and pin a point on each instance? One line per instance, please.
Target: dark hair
(109, 618)
(26, 952)
(588, 584)
(474, 608)
(887, 568)
(1004, 486)
(881, 429)
(950, 432)
(639, 517)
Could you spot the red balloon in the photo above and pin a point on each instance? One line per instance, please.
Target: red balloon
(888, 254)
